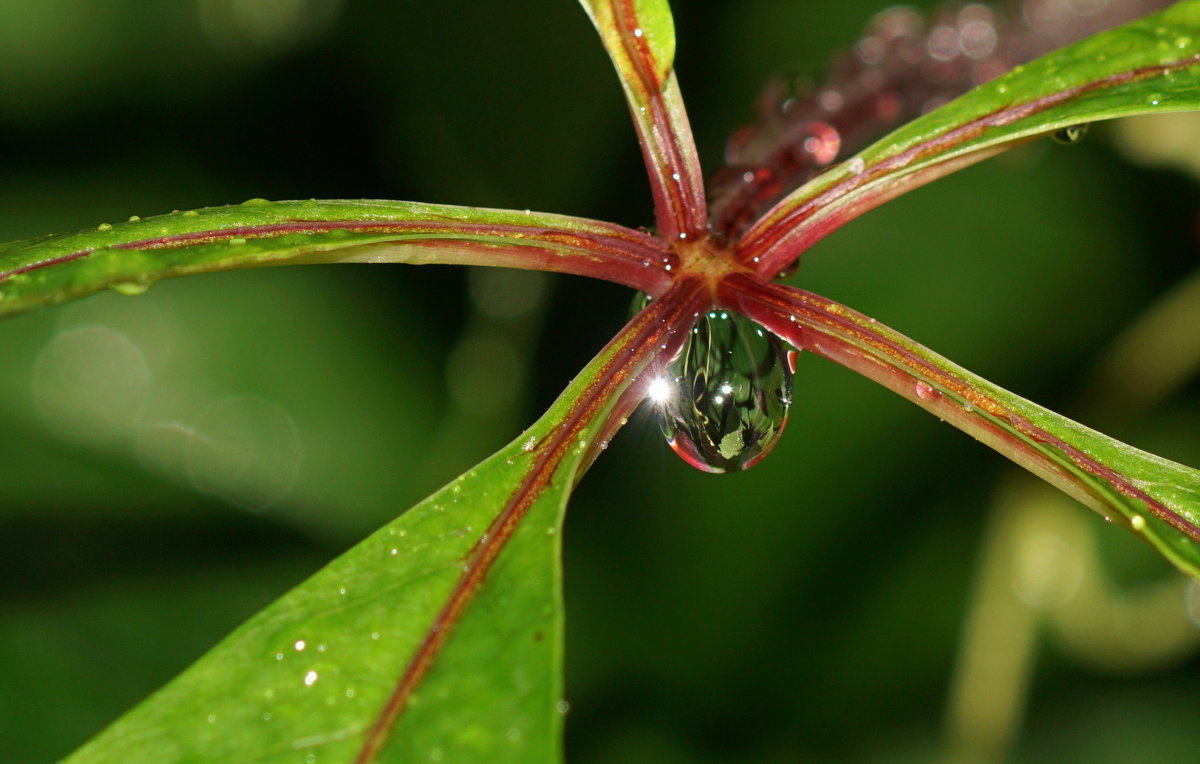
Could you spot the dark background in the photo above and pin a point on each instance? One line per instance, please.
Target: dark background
(810, 609)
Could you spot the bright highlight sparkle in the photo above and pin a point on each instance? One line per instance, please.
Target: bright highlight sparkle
(659, 390)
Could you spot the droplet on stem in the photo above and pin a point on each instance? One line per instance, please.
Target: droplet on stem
(727, 394)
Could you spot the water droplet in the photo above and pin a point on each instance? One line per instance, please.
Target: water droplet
(856, 165)
(927, 392)
(1138, 522)
(310, 678)
(130, 288)
(300, 645)
(789, 270)
(191, 214)
(1070, 135)
(135, 218)
(562, 706)
(237, 240)
(729, 392)
(256, 202)
(104, 227)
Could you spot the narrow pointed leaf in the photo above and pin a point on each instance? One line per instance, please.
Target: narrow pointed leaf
(639, 36)
(1149, 66)
(130, 256)
(437, 638)
(1151, 496)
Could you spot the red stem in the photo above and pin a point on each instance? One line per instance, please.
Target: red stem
(676, 181)
(794, 224)
(621, 255)
(829, 329)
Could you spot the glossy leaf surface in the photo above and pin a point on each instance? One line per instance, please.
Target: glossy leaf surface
(129, 257)
(350, 663)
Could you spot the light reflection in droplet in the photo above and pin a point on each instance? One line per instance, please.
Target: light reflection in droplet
(659, 390)
(310, 678)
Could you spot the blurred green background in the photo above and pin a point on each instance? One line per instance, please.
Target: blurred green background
(172, 463)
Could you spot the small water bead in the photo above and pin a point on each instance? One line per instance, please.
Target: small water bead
(1068, 136)
(789, 270)
(131, 288)
(728, 394)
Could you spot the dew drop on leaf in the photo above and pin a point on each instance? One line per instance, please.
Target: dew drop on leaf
(130, 288)
(1070, 135)
(724, 400)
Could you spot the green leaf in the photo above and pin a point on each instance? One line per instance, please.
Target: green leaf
(1149, 66)
(352, 660)
(616, 19)
(129, 257)
(1154, 497)
(639, 36)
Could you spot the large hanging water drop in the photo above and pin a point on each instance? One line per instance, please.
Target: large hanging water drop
(724, 401)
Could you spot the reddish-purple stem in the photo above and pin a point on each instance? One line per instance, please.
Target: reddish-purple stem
(676, 182)
(825, 327)
(621, 255)
(903, 66)
(775, 241)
